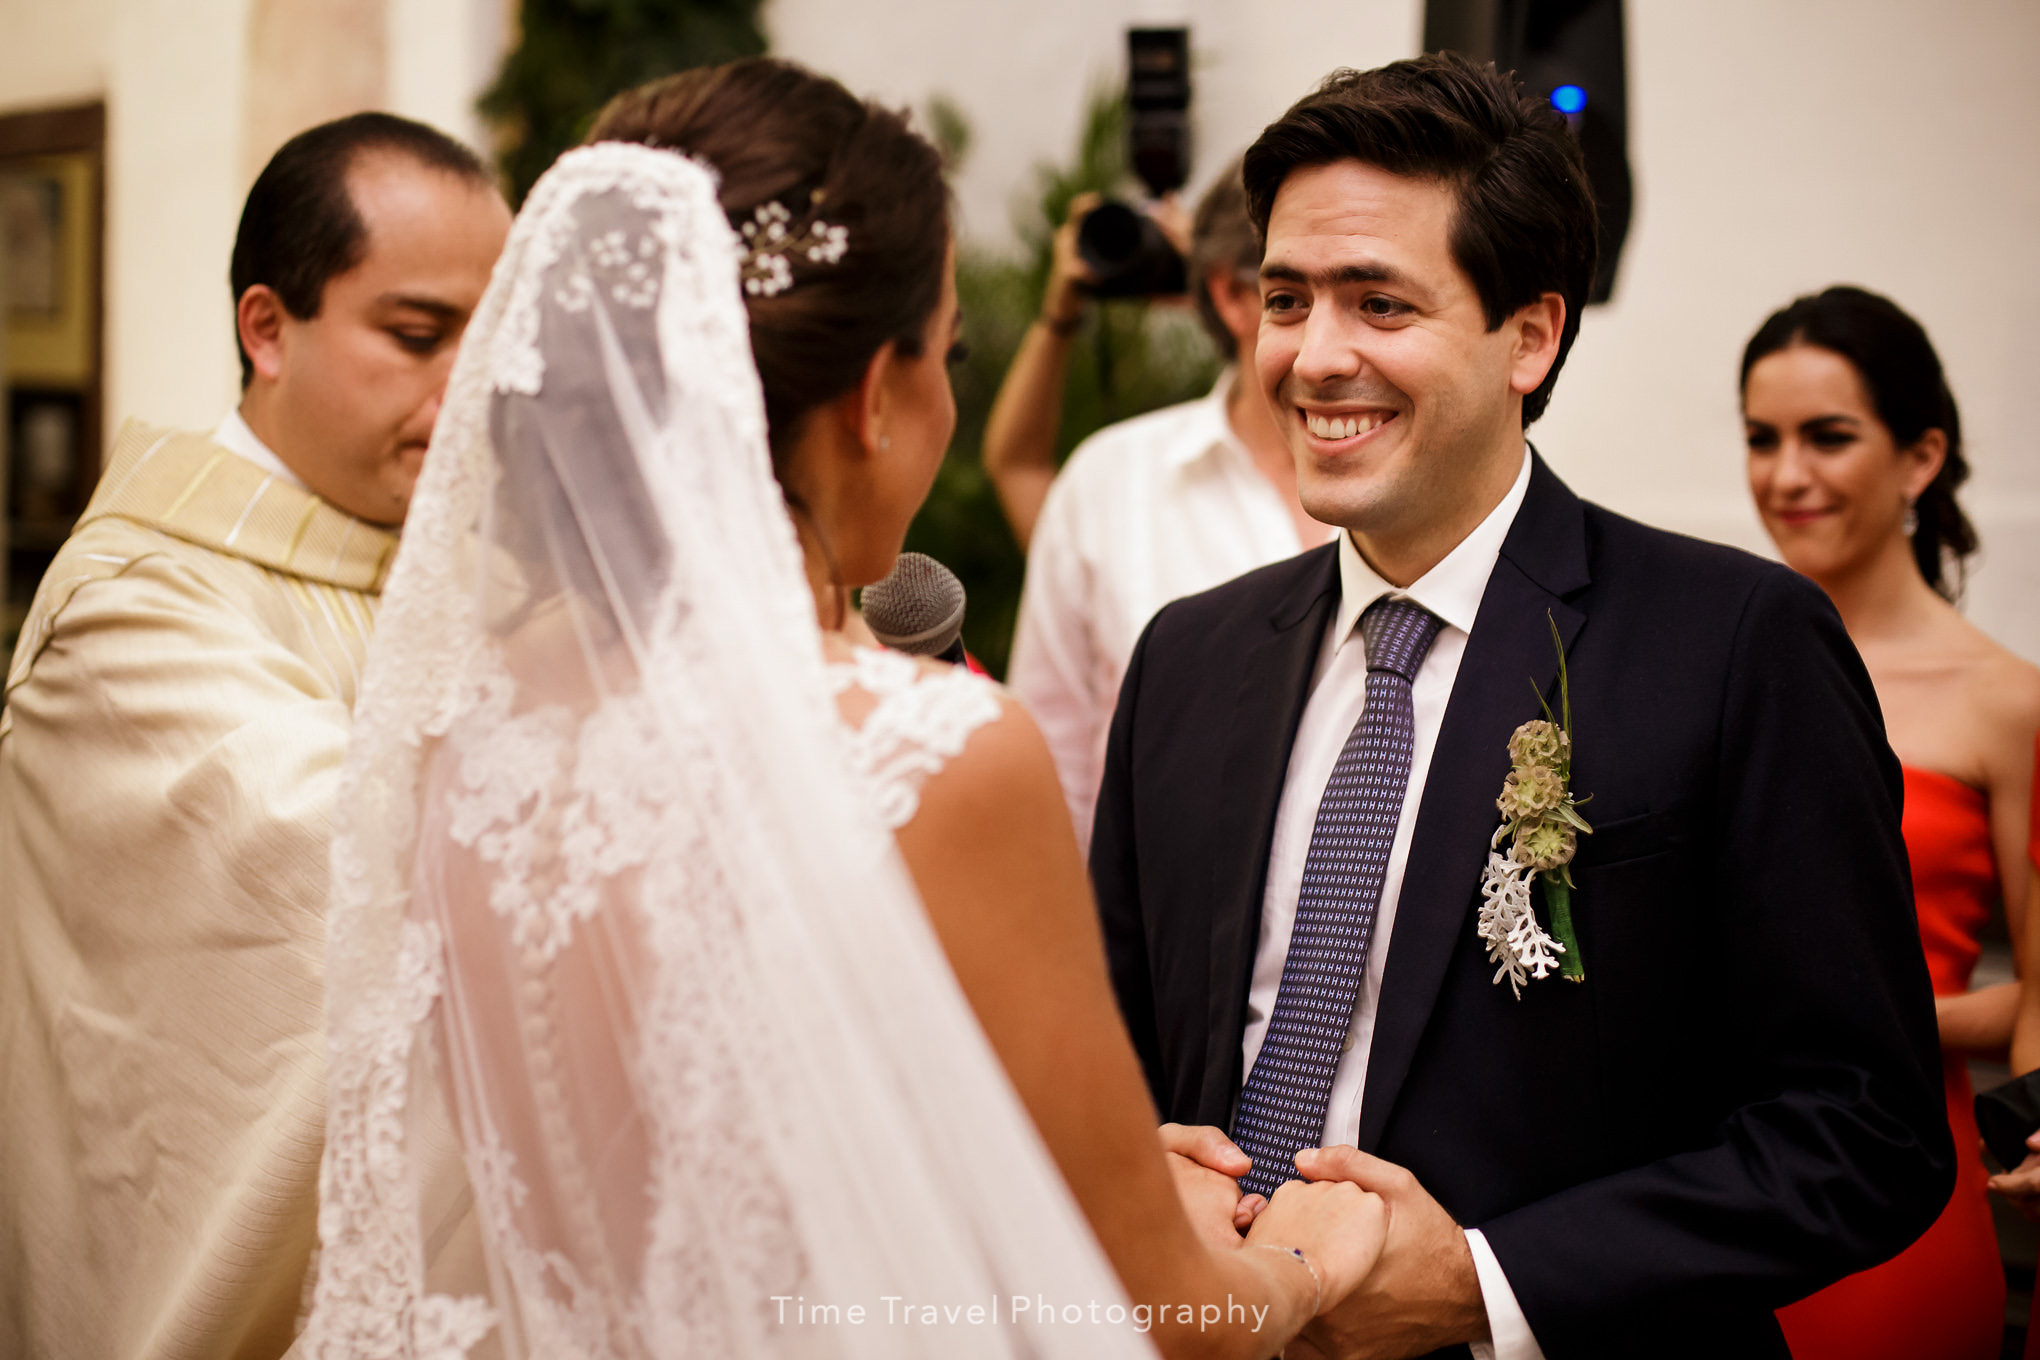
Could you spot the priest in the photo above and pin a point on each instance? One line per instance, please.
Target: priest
(175, 717)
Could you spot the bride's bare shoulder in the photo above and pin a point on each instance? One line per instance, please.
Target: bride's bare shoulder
(939, 744)
(999, 787)
(995, 858)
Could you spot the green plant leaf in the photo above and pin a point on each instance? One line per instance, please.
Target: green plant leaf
(573, 55)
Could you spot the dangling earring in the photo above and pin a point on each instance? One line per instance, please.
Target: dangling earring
(1911, 524)
(884, 442)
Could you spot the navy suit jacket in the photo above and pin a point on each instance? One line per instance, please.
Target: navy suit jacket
(1742, 1101)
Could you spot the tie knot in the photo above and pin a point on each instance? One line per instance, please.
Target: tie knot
(1399, 633)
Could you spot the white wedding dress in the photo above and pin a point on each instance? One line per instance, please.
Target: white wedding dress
(614, 891)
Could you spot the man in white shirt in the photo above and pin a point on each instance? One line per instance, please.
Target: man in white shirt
(1301, 850)
(170, 751)
(1151, 509)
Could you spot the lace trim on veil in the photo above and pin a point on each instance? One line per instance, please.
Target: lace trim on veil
(612, 890)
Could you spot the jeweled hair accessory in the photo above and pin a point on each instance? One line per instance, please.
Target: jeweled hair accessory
(770, 243)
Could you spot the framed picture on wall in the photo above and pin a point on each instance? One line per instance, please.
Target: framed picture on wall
(45, 465)
(47, 217)
(32, 237)
(52, 185)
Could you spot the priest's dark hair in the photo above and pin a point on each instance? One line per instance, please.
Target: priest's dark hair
(300, 227)
(1523, 221)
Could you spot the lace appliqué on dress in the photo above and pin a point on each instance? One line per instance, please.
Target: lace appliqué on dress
(920, 722)
(558, 805)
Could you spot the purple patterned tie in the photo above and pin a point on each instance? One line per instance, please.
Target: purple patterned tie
(1282, 1107)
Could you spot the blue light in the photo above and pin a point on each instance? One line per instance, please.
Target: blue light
(1569, 99)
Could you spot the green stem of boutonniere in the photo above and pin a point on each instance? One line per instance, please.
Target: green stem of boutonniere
(1558, 901)
(1558, 886)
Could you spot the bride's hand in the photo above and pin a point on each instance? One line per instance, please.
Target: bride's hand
(1204, 1164)
(1337, 1226)
(1208, 1147)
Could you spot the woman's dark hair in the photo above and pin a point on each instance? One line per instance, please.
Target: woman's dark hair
(776, 133)
(1524, 221)
(300, 228)
(1898, 365)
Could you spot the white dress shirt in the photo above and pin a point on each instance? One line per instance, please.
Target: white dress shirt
(1452, 590)
(1144, 512)
(233, 435)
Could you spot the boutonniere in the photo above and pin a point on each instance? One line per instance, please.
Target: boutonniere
(1541, 827)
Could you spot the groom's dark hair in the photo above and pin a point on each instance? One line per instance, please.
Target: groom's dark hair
(1524, 223)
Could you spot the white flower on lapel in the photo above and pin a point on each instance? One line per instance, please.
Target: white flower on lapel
(1508, 923)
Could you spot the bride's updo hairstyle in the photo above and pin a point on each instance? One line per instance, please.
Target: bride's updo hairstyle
(778, 134)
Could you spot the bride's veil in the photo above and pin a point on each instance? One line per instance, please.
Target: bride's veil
(607, 900)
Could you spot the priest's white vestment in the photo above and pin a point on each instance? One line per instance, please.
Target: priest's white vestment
(176, 714)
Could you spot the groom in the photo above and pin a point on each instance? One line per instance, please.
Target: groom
(1740, 1101)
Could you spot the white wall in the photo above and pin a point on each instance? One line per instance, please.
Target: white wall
(180, 157)
(1021, 69)
(1777, 148)
(1781, 148)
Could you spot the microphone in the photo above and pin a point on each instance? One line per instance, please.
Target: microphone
(918, 609)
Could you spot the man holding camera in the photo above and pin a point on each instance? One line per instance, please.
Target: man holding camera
(1160, 506)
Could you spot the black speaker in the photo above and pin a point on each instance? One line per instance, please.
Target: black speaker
(1570, 52)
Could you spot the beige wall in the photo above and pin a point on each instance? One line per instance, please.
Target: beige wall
(1777, 148)
(308, 61)
(55, 53)
(174, 181)
(198, 94)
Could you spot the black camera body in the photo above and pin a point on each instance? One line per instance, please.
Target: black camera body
(1127, 253)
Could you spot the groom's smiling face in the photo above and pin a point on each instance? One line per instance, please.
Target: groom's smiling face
(1402, 408)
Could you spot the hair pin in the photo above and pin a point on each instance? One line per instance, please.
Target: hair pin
(771, 245)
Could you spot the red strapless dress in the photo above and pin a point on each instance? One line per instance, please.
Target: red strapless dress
(2033, 854)
(1944, 1296)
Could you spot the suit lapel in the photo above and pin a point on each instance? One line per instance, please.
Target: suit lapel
(1274, 683)
(1509, 661)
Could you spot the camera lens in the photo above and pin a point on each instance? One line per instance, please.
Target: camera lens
(1110, 237)
(1127, 253)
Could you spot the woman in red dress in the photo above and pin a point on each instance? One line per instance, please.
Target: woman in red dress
(1855, 451)
(2022, 1184)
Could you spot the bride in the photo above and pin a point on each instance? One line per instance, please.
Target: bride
(752, 969)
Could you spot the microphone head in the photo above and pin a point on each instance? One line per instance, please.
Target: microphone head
(918, 608)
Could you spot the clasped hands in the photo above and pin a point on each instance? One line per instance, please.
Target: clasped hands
(1422, 1292)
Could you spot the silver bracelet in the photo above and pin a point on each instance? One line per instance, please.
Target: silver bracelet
(1317, 1286)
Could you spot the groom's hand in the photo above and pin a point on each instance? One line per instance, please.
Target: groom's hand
(1207, 1166)
(1422, 1294)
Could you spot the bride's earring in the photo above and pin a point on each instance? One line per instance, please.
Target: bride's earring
(1910, 525)
(884, 442)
